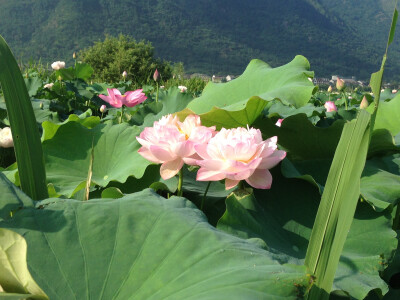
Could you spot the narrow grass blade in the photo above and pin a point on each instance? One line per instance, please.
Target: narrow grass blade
(338, 204)
(27, 145)
(376, 78)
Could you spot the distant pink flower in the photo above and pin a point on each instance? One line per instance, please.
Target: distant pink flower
(130, 99)
(57, 65)
(171, 142)
(339, 84)
(279, 122)
(394, 91)
(239, 154)
(330, 106)
(182, 88)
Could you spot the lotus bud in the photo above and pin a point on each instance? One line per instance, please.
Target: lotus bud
(394, 91)
(59, 77)
(103, 108)
(156, 75)
(279, 122)
(41, 105)
(339, 84)
(124, 74)
(329, 89)
(364, 103)
(74, 55)
(6, 139)
(330, 106)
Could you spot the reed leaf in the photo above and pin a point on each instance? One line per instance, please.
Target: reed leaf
(27, 145)
(338, 204)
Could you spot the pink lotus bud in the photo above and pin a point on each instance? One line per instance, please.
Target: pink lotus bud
(103, 108)
(364, 103)
(156, 75)
(330, 106)
(124, 74)
(74, 55)
(279, 122)
(329, 89)
(6, 139)
(339, 84)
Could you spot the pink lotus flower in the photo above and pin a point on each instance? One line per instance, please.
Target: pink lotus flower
(239, 154)
(130, 99)
(330, 106)
(171, 142)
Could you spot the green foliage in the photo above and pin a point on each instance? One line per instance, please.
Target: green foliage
(28, 150)
(13, 266)
(116, 248)
(111, 57)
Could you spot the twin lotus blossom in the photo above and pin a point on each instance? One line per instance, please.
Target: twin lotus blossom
(57, 65)
(172, 143)
(330, 106)
(129, 99)
(231, 154)
(6, 139)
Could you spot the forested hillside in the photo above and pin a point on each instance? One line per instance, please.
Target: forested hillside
(213, 37)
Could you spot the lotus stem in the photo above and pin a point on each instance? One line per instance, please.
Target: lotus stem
(205, 196)
(157, 93)
(180, 182)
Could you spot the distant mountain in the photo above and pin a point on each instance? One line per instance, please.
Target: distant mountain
(345, 37)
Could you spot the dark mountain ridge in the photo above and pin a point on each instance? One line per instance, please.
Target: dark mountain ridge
(212, 37)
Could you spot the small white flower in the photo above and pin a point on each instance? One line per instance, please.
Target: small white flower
(6, 140)
(124, 74)
(103, 108)
(48, 86)
(57, 65)
(394, 91)
(182, 88)
(162, 87)
(228, 78)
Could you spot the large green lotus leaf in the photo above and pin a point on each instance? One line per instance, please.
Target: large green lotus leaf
(32, 85)
(388, 116)
(68, 153)
(283, 218)
(11, 199)
(283, 111)
(169, 102)
(380, 181)
(246, 114)
(14, 275)
(301, 138)
(143, 246)
(289, 83)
